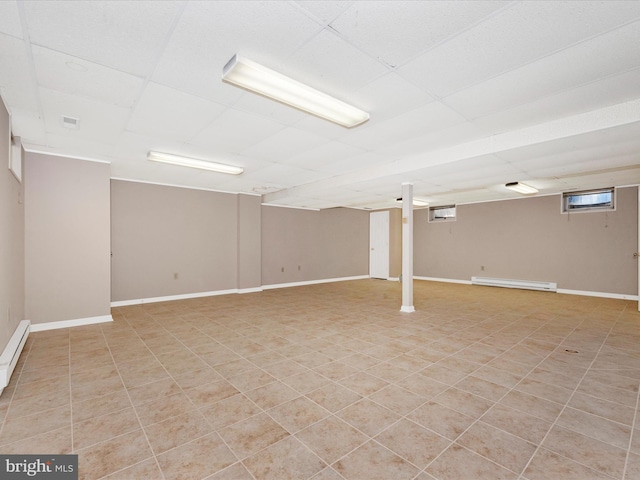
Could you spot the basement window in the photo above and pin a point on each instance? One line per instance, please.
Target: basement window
(588, 200)
(442, 214)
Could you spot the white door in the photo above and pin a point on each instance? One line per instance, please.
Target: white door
(379, 245)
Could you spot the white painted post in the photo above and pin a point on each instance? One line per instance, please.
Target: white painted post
(407, 248)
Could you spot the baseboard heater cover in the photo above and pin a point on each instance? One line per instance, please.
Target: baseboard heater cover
(11, 354)
(508, 283)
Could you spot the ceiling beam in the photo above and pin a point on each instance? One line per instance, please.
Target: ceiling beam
(584, 123)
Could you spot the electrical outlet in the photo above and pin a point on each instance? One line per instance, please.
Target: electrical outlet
(175, 276)
(482, 267)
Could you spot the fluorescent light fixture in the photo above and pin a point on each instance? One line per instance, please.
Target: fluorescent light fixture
(521, 188)
(264, 81)
(416, 203)
(193, 163)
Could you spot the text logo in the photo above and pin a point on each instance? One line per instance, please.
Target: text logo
(44, 467)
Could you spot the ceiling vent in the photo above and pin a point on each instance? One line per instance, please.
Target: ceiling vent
(70, 122)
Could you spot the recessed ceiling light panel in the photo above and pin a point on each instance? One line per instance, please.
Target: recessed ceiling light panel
(193, 163)
(521, 188)
(271, 84)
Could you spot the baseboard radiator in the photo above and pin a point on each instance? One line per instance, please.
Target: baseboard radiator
(11, 354)
(508, 283)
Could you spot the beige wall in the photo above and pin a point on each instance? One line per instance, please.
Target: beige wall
(11, 240)
(395, 242)
(530, 239)
(66, 238)
(313, 245)
(249, 241)
(159, 232)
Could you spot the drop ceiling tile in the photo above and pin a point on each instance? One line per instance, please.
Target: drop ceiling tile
(389, 96)
(328, 153)
(234, 131)
(10, 19)
(323, 11)
(373, 25)
(99, 121)
(423, 120)
(124, 35)
(167, 112)
(591, 96)
(514, 37)
(72, 75)
(332, 65)
(28, 124)
(254, 104)
(606, 55)
(210, 33)
(355, 163)
(286, 175)
(16, 82)
(284, 144)
(78, 146)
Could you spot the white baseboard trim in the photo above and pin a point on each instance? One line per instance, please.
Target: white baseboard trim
(169, 298)
(444, 280)
(407, 309)
(249, 290)
(78, 322)
(12, 351)
(586, 293)
(314, 282)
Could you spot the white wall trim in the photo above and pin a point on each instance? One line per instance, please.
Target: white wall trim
(187, 296)
(63, 155)
(586, 293)
(314, 282)
(169, 298)
(290, 206)
(78, 322)
(175, 185)
(11, 353)
(444, 280)
(249, 290)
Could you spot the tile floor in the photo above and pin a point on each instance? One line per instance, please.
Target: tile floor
(331, 382)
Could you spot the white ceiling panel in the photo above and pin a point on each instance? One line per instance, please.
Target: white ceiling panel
(373, 26)
(463, 95)
(321, 157)
(28, 124)
(332, 65)
(234, 131)
(127, 36)
(285, 175)
(254, 104)
(514, 37)
(594, 95)
(422, 120)
(10, 18)
(324, 11)
(17, 84)
(171, 113)
(98, 121)
(284, 144)
(389, 96)
(210, 33)
(72, 75)
(601, 57)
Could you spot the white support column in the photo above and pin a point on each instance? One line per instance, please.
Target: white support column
(407, 248)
